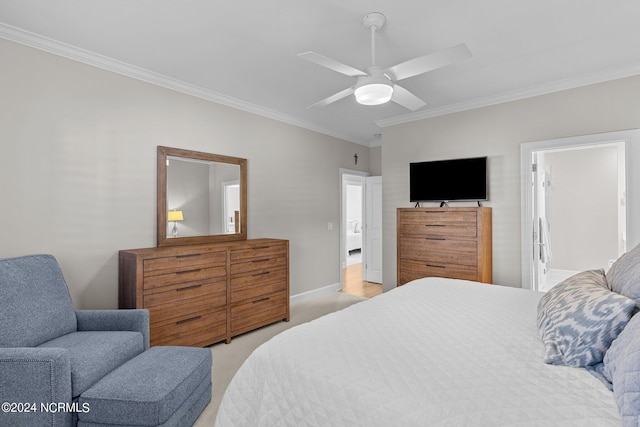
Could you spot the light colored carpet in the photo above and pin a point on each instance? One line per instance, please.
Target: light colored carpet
(227, 358)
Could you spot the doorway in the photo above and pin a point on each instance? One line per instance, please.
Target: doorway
(574, 206)
(356, 249)
(230, 207)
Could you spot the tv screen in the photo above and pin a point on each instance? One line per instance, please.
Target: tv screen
(447, 180)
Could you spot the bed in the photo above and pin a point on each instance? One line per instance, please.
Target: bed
(354, 235)
(433, 352)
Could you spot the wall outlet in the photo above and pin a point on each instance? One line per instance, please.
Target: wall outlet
(329, 226)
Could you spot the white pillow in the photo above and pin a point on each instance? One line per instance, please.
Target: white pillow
(624, 275)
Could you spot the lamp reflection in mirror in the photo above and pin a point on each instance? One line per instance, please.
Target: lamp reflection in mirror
(175, 216)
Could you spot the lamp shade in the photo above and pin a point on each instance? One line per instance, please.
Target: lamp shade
(175, 216)
(374, 89)
(373, 94)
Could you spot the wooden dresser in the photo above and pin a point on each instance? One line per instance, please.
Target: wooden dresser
(444, 242)
(198, 295)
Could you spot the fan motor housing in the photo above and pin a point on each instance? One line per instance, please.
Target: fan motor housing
(374, 19)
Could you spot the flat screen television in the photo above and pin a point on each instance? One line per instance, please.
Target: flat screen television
(449, 180)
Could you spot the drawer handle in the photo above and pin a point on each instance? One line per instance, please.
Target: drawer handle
(188, 271)
(261, 274)
(191, 319)
(435, 238)
(435, 266)
(187, 255)
(255, 261)
(188, 287)
(434, 225)
(262, 247)
(260, 300)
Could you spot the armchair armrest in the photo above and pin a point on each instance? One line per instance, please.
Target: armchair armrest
(33, 381)
(136, 320)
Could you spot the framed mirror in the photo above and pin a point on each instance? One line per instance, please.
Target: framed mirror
(202, 197)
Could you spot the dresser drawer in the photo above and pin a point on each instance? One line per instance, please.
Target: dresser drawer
(452, 230)
(438, 217)
(176, 294)
(440, 250)
(258, 265)
(437, 223)
(169, 310)
(411, 270)
(199, 329)
(267, 250)
(258, 284)
(258, 312)
(184, 276)
(178, 263)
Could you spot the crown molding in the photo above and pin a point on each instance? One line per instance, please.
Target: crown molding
(542, 89)
(55, 47)
(68, 51)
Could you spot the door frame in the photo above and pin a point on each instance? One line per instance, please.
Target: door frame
(631, 140)
(225, 201)
(343, 213)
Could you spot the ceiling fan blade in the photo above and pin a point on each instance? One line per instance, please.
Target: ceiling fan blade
(429, 62)
(333, 98)
(331, 64)
(406, 99)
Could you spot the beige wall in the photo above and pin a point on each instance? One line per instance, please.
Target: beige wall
(375, 163)
(79, 179)
(497, 132)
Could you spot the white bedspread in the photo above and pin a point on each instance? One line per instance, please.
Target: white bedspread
(434, 352)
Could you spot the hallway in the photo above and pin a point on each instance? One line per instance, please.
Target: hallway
(353, 283)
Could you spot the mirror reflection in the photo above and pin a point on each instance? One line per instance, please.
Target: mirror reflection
(203, 197)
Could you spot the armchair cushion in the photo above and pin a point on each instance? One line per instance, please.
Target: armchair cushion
(94, 354)
(136, 320)
(35, 306)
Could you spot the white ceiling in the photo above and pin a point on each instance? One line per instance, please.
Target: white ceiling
(243, 53)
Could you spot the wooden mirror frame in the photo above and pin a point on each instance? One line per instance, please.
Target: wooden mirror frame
(163, 240)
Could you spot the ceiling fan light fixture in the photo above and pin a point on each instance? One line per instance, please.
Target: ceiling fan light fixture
(373, 91)
(377, 86)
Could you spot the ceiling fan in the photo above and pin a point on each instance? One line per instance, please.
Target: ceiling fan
(377, 86)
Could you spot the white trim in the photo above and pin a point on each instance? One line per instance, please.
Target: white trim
(315, 293)
(55, 47)
(541, 89)
(631, 139)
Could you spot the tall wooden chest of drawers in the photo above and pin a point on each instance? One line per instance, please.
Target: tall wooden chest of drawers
(198, 295)
(444, 242)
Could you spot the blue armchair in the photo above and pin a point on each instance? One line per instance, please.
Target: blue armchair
(51, 353)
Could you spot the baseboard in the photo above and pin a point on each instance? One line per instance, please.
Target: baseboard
(315, 293)
(559, 275)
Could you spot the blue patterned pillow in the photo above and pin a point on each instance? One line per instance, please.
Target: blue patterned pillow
(579, 318)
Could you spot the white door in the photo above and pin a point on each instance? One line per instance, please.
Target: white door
(574, 222)
(373, 230)
(541, 177)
